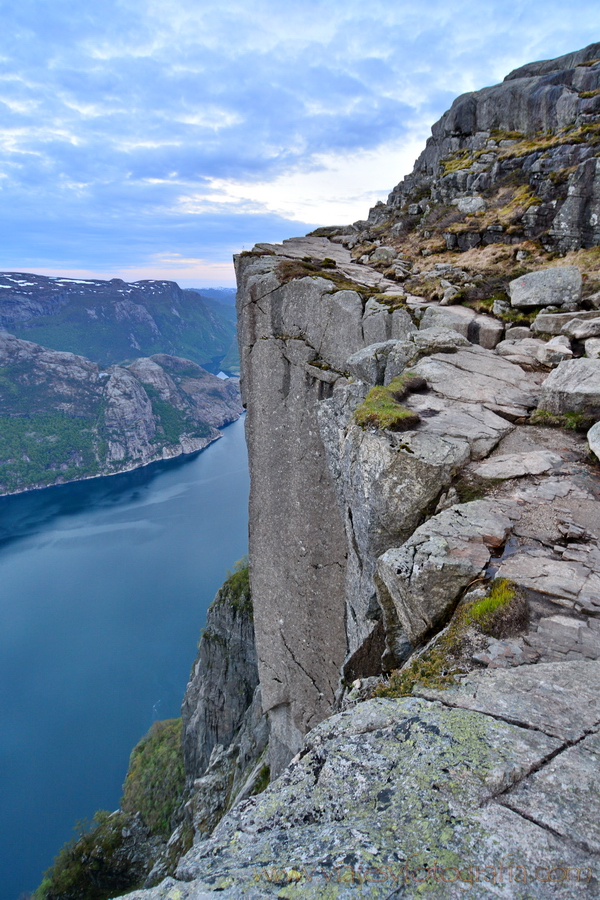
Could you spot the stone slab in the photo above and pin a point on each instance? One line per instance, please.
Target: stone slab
(559, 699)
(546, 287)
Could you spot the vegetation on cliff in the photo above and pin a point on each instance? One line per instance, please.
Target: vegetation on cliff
(115, 853)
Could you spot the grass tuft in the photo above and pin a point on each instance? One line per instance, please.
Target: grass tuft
(382, 407)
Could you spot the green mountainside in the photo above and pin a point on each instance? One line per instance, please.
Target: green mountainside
(64, 417)
(113, 321)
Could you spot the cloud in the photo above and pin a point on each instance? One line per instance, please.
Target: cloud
(168, 129)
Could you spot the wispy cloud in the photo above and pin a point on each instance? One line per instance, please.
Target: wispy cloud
(144, 130)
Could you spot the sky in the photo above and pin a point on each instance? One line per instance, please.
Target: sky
(155, 138)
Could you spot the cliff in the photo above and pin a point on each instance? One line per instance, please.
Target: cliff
(423, 398)
(63, 417)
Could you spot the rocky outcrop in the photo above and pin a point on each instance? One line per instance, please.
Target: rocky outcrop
(66, 418)
(455, 790)
(424, 531)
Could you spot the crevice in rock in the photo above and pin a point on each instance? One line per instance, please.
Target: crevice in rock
(569, 842)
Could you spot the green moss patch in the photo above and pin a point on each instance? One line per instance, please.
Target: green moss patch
(502, 613)
(572, 421)
(382, 407)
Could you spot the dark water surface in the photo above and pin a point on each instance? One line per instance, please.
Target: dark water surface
(104, 587)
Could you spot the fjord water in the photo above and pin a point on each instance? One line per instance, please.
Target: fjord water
(104, 587)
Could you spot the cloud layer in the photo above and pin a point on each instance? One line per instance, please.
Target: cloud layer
(149, 136)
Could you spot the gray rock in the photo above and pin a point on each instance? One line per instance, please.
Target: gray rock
(563, 797)
(514, 465)
(223, 680)
(574, 386)
(383, 254)
(517, 333)
(553, 323)
(546, 287)
(581, 329)
(522, 352)
(420, 581)
(369, 363)
(593, 439)
(555, 351)
(592, 348)
(474, 375)
(478, 329)
(470, 205)
(558, 700)
(438, 340)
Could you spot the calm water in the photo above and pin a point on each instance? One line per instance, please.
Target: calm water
(104, 587)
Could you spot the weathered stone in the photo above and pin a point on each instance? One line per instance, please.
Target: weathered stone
(515, 465)
(580, 329)
(517, 333)
(522, 352)
(383, 254)
(470, 205)
(546, 287)
(438, 340)
(593, 438)
(563, 797)
(479, 329)
(477, 376)
(369, 363)
(592, 348)
(422, 579)
(574, 386)
(558, 700)
(555, 351)
(553, 323)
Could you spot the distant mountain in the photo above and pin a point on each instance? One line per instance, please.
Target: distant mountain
(114, 321)
(221, 295)
(63, 417)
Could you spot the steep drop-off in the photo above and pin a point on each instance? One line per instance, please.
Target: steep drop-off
(423, 396)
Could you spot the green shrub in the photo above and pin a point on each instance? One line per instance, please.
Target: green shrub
(156, 777)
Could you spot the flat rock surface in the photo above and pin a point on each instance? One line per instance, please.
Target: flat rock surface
(476, 375)
(402, 793)
(564, 795)
(514, 465)
(546, 287)
(562, 700)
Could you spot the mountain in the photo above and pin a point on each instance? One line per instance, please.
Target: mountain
(423, 425)
(64, 417)
(114, 321)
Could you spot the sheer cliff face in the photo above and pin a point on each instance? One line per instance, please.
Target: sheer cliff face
(329, 499)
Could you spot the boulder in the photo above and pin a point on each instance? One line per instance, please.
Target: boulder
(592, 348)
(593, 439)
(517, 333)
(421, 581)
(546, 287)
(369, 363)
(553, 323)
(470, 205)
(574, 386)
(478, 329)
(523, 352)
(580, 329)
(555, 351)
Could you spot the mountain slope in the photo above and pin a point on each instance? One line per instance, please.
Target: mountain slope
(63, 417)
(113, 321)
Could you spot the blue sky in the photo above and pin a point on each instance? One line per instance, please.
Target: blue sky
(154, 138)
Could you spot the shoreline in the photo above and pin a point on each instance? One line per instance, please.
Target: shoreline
(128, 468)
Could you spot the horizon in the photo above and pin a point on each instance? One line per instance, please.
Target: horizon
(122, 159)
